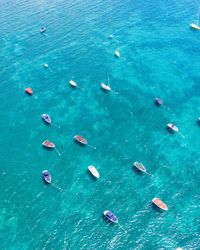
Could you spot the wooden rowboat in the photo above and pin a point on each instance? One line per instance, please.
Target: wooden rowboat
(160, 204)
(80, 139)
(48, 144)
(29, 91)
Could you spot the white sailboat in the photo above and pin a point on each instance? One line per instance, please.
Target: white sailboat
(106, 87)
(117, 54)
(196, 26)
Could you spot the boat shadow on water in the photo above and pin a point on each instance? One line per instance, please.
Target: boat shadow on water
(198, 122)
(157, 104)
(47, 148)
(46, 123)
(137, 171)
(110, 223)
(46, 184)
(156, 208)
(105, 91)
(27, 93)
(92, 177)
(170, 130)
(79, 143)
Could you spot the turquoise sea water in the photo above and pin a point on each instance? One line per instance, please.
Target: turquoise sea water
(159, 57)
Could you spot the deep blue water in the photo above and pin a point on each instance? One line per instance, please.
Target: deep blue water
(159, 57)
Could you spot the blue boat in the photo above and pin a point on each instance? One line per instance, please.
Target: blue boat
(158, 101)
(46, 175)
(42, 29)
(46, 118)
(109, 215)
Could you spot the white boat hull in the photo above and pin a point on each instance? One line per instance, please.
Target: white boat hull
(174, 128)
(72, 83)
(117, 53)
(143, 169)
(194, 26)
(105, 213)
(93, 171)
(105, 87)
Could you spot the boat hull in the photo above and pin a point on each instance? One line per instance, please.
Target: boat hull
(115, 220)
(158, 101)
(194, 26)
(93, 171)
(172, 127)
(105, 87)
(46, 118)
(29, 91)
(72, 83)
(80, 139)
(159, 204)
(140, 167)
(42, 30)
(117, 53)
(48, 144)
(46, 176)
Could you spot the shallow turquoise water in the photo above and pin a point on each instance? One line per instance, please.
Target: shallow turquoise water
(159, 58)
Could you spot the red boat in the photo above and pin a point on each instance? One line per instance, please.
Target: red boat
(80, 139)
(29, 91)
(159, 203)
(48, 144)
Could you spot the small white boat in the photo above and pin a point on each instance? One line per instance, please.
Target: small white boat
(93, 171)
(117, 53)
(111, 36)
(46, 65)
(106, 87)
(196, 26)
(72, 83)
(172, 127)
(110, 216)
(140, 167)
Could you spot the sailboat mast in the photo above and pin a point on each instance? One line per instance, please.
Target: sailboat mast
(198, 17)
(108, 80)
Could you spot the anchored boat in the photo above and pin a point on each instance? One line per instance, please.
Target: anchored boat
(46, 175)
(106, 87)
(172, 127)
(46, 118)
(48, 144)
(29, 91)
(93, 171)
(72, 83)
(159, 204)
(158, 101)
(110, 216)
(80, 139)
(42, 29)
(117, 54)
(140, 167)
